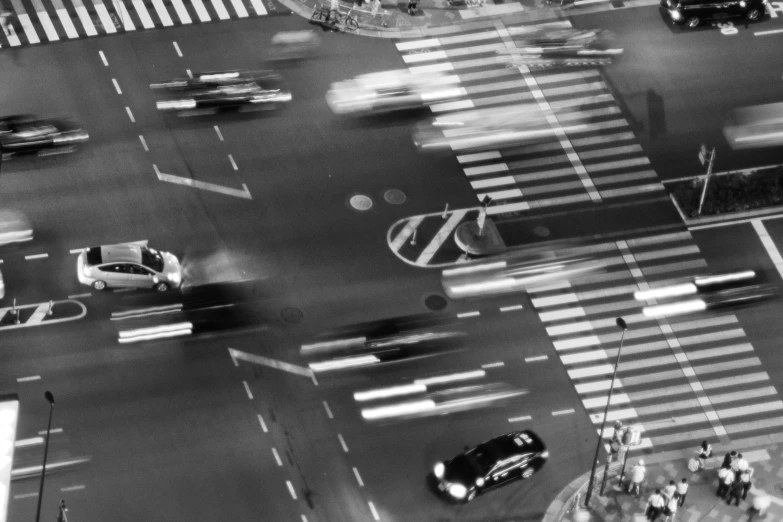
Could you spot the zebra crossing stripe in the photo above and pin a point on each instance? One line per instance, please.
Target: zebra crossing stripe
(163, 14)
(46, 22)
(443, 234)
(406, 232)
(125, 16)
(258, 6)
(220, 9)
(65, 19)
(103, 14)
(144, 15)
(84, 17)
(201, 11)
(239, 7)
(182, 13)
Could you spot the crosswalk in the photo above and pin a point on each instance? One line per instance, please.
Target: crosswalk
(41, 21)
(681, 380)
(590, 163)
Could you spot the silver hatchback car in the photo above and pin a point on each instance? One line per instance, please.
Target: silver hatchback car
(128, 266)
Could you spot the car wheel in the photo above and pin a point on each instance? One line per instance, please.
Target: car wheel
(693, 22)
(99, 285)
(527, 473)
(754, 14)
(161, 287)
(471, 495)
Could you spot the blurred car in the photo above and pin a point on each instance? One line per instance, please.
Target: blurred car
(565, 46)
(14, 227)
(216, 91)
(128, 266)
(489, 129)
(289, 46)
(694, 12)
(27, 134)
(388, 91)
(755, 127)
(497, 462)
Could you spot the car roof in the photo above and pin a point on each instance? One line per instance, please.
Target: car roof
(517, 442)
(123, 253)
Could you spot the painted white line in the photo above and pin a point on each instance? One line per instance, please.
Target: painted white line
(46, 22)
(36, 256)
(247, 389)
(511, 308)
(25, 495)
(493, 365)
(176, 48)
(291, 489)
(144, 15)
(234, 360)
(763, 33)
(21, 443)
(79, 296)
(73, 488)
(190, 74)
(342, 442)
(304, 518)
(563, 412)
(201, 11)
(130, 115)
(443, 234)
(143, 143)
(277, 457)
(116, 85)
(272, 363)
(28, 379)
(406, 232)
(239, 7)
(374, 512)
(258, 5)
(53, 430)
(358, 477)
(536, 358)
(479, 156)
(417, 44)
(103, 14)
(220, 10)
(219, 134)
(263, 424)
(125, 16)
(424, 57)
(328, 410)
(182, 12)
(468, 314)
(233, 163)
(520, 419)
(103, 58)
(203, 185)
(769, 245)
(163, 14)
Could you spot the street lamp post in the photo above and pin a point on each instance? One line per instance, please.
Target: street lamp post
(620, 324)
(50, 398)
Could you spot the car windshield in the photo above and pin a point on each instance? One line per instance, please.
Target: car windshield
(152, 259)
(486, 456)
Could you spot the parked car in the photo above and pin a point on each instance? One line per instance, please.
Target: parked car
(128, 266)
(695, 12)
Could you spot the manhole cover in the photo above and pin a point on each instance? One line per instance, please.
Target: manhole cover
(779, 488)
(541, 231)
(435, 302)
(361, 202)
(394, 196)
(291, 315)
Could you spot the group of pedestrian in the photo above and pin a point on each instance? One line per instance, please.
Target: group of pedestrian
(734, 478)
(667, 502)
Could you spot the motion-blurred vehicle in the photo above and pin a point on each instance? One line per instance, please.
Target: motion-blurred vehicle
(27, 134)
(695, 12)
(494, 463)
(755, 127)
(490, 128)
(128, 265)
(388, 91)
(564, 46)
(288, 46)
(14, 227)
(209, 93)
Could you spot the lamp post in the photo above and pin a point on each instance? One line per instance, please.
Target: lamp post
(620, 324)
(49, 397)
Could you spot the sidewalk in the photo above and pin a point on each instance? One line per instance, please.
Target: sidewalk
(701, 504)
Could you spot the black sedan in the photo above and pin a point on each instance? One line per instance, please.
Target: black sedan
(27, 134)
(497, 462)
(232, 90)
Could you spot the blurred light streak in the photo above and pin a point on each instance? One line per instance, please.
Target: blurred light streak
(385, 393)
(684, 307)
(669, 291)
(348, 362)
(454, 377)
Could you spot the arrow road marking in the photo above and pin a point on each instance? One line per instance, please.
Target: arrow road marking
(203, 185)
(272, 363)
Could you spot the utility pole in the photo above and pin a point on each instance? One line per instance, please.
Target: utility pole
(709, 158)
(50, 399)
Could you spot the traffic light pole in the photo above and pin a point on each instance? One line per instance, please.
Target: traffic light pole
(702, 157)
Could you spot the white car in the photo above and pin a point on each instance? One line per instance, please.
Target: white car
(128, 266)
(388, 91)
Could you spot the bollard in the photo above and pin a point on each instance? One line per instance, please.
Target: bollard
(15, 312)
(51, 305)
(413, 238)
(446, 211)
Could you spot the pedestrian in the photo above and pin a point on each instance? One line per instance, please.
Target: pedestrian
(704, 452)
(637, 477)
(6, 18)
(655, 505)
(682, 490)
(412, 7)
(745, 481)
(726, 461)
(669, 490)
(742, 464)
(670, 509)
(735, 462)
(725, 480)
(735, 492)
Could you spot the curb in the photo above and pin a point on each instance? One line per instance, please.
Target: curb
(724, 219)
(560, 506)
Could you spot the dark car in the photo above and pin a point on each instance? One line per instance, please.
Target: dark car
(212, 92)
(27, 134)
(693, 12)
(497, 462)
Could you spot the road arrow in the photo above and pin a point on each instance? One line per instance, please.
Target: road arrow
(203, 185)
(237, 355)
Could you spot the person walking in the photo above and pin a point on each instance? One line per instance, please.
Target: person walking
(735, 492)
(735, 462)
(742, 464)
(6, 20)
(655, 505)
(670, 509)
(704, 452)
(670, 490)
(682, 491)
(412, 4)
(744, 479)
(637, 477)
(725, 480)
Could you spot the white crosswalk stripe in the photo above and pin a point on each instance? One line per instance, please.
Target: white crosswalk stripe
(56, 20)
(593, 155)
(679, 380)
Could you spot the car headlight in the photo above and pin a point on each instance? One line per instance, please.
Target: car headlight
(480, 481)
(458, 491)
(742, 4)
(545, 455)
(175, 278)
(439, 470)
(676, 15)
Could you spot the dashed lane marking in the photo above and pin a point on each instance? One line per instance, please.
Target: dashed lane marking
(468, 314)
(374, 512)
(103, 58)
(536, 358)
(36, 256)
(511, 308)
(25, 495)
(53, 430)
(493, 365)
(176, 48)
(233, 163)
(342, 442)
(328, 410)
(247, 389)
(358, 477)
(219, 134)
(263, 424)
(291, 489)
(116, 85)
(562, 412)
(143, 143)
(29, 379)
(130, 115)
(520, 419)
(73, 488)
(277, 457)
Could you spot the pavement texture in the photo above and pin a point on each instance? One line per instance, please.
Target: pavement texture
(701, 502)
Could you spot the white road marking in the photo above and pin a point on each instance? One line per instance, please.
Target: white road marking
(452, 377)
(277, 457)
(25, 495)
(28, 379)
(201, 11)
(468, 314)
(84, 16)
(163, 14)
(769, 245)
(358, 477)
(417, 44)
(563, 412)
(36, 256)
(144, 15)
(103, 14)
(304, 518)
(65, 19)
(536, 358)
(73, 488)
(493, 365)
(259, 7)
(130, 115)
(443, 234)
(511, 308)
(406, 232)
(125, 17)
(239, 7)
(328, 410)
(263, 424)
(291, 488)
(342, 442)
(176, 48)
(520, 419)
(374, 512)
(21, 443)
(190, 74)
(220, 9)
(233, 163)
(272, 363)
(182, 13)
(219, 134)
(763, 33)
(143, 143)
(203, 185)
(247, 389)
(53, 430)
(46, 22)
(116, 85)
